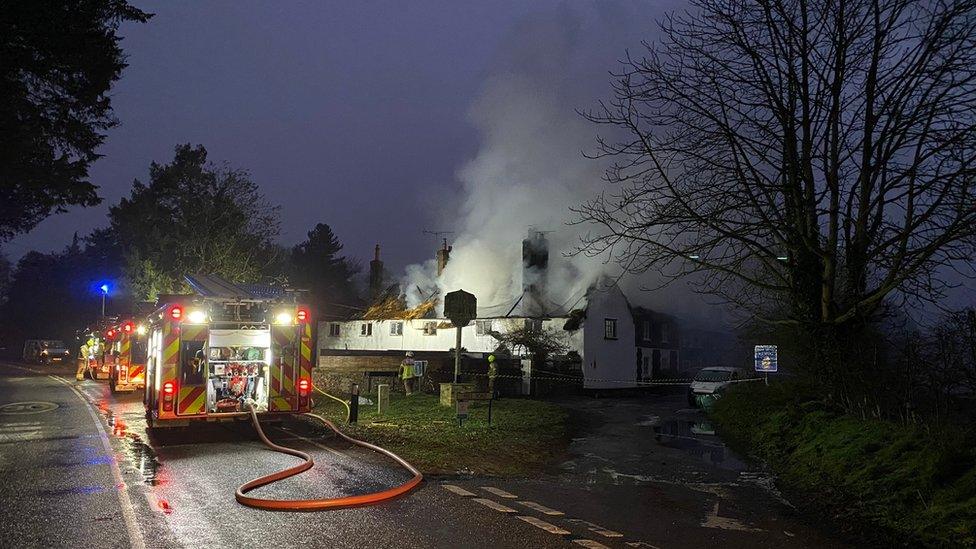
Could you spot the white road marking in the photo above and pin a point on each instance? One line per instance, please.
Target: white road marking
(541, 508)
(539, 523)
(494, 505)
(128, 513)
(598, 529)
(499, 492)
(457, 490)
(726, 523)
(590, 544)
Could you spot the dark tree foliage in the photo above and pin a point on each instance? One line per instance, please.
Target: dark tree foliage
(538, 344)
(316, 265)
(58, 60)
(192, 218)
(54, 295)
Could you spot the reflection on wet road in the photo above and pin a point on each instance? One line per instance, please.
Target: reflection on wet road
(696, 437)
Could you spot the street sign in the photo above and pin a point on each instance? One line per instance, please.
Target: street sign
(766, 358)
(419, 368)
(461, 307)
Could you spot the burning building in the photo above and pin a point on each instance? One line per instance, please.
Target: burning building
(600, 335)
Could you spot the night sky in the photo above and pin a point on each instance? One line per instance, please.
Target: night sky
(350, 113)
(355, 114)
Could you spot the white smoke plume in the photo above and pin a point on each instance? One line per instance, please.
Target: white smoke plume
(530, 168)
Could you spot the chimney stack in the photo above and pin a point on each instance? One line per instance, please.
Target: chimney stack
(375, 275)
(443, 256)
(535, 262)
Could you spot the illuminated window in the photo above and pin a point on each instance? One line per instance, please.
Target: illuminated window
(610, 328)
(396, 328)
(482, 327)
(366, 329)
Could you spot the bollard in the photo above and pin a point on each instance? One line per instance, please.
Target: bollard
(354, 404)
(382, 398)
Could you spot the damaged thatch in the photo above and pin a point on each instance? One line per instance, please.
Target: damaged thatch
(395, 308)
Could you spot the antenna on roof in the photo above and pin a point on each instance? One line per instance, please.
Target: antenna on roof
(439, 234)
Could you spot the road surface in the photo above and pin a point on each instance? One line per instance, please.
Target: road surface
(78, 469)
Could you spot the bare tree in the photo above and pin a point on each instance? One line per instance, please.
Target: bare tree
(810, 160)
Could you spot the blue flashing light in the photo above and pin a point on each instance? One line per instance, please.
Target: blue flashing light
(104, 288)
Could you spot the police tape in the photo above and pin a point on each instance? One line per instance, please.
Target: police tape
(580, 380)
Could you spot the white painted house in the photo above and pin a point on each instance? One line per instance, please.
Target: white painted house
(603, 338)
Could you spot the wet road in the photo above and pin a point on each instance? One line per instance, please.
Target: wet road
(85, 473)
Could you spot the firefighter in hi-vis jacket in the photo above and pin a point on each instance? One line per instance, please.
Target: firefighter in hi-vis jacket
(84, 355)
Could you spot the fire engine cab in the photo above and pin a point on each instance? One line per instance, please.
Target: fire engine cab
(125, 356)
(214, 354)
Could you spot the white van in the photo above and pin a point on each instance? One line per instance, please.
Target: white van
(46, 351)
(712, 381)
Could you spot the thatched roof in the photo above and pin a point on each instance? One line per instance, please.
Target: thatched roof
(395, 308)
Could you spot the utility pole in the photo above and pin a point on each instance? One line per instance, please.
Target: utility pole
(457, 355)
(104, 289)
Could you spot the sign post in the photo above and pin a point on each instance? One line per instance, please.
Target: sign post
(766, 360)
(461, 308)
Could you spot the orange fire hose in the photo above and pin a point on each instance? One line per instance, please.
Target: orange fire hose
(319, 504)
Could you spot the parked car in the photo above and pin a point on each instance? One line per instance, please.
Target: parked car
(46, 351)
(710, 382)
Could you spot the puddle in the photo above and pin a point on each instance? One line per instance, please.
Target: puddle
(649, 421)
(139, 456)
(698, 439)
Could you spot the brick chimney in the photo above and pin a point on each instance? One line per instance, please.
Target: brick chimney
(375, 274)
(443, 256)
(535, 262)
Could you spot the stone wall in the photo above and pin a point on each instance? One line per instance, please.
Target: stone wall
(336, 373)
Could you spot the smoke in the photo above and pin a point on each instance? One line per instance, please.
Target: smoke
(530, 169)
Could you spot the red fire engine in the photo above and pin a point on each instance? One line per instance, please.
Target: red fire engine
(125, 356)
(213, 355)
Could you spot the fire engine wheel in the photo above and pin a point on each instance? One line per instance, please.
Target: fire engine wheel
(319, 504)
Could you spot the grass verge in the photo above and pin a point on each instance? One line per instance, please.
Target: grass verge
(525, 435)
(884, 482)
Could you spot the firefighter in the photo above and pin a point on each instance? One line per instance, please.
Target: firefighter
(87, 349)
(492, 372)
(406, 373)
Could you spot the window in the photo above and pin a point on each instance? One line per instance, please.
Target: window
(335, 329)
(482, 327)
(665, 332)
(430, 328)
(610, 328)
(674, 360)
(647, 330)
(533, 325)
(366, 329)
(396, 328)
(646, 367)
(665, 361)
(191, 363)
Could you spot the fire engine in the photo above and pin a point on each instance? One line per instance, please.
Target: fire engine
(213, 355)
(125, 356)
